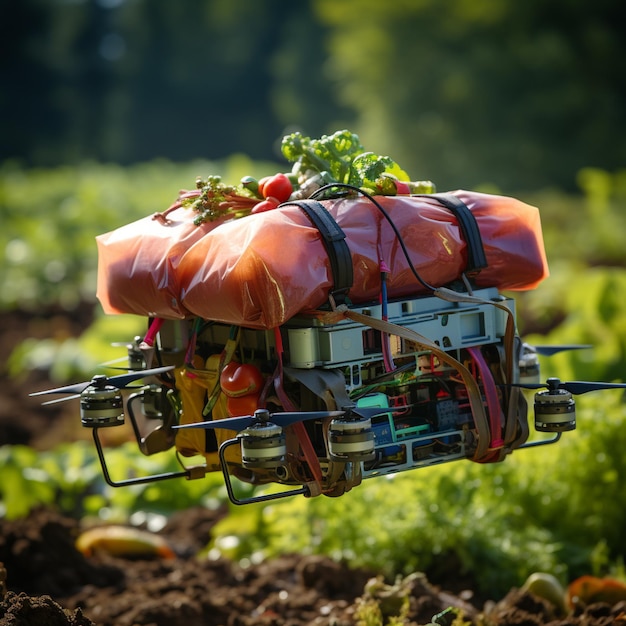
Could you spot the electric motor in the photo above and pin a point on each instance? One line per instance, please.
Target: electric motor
(351, 440)
(263, 445)
(555, 411)
(101, 405)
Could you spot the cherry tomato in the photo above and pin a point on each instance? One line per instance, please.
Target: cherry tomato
(242, 384)
(278, 186)
(241, 379)
(265, 205)
(262, 182)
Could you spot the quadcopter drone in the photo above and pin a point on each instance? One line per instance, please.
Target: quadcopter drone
(323, 402)
(390, 371)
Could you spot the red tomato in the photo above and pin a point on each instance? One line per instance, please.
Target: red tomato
(262, 182)
(278, 186)
(241, 379)
(246, 405)
(265, 205)
(242, 384)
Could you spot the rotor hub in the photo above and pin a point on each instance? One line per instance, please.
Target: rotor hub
(136, 357)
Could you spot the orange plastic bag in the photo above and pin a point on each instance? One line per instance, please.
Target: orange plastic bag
(261, 270)
(137, 264)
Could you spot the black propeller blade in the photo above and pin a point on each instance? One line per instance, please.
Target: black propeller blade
(57, 400)
(579, 387)
(550, 350)
(575, 387)
(121, 381)
(280, 419)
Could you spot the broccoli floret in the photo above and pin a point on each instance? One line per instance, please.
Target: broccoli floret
(341, 157)
(331, 153)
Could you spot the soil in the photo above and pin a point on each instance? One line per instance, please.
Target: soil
(45, 580)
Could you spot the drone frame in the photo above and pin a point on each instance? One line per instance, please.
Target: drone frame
(189, 472)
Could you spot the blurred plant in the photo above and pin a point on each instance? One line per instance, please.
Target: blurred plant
(584, 307)
(69, 478)
(555, 509)
(76, 357)
(382, 604)
(50, 219)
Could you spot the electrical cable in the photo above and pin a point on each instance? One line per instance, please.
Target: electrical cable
(322, 191)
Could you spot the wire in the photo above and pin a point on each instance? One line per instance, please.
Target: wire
(325, 188)
(386, 342)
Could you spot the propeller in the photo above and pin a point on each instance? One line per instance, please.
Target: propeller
(120, 382)
(550, 350)
(575, 387)
(283, 419)
(262, 416)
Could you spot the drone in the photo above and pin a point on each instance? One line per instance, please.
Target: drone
(248, 371)
(322, 403)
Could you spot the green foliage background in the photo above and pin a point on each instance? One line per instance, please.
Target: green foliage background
(520, 94)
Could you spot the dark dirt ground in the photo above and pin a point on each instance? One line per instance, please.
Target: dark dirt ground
(45, 580)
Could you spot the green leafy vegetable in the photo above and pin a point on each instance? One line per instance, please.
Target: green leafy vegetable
(368, 167)
(214, 199)
(331, 153)
(341, 158)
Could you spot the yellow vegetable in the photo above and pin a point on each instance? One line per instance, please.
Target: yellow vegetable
(548, 587)
(124, 541)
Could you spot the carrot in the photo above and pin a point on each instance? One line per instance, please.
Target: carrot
(589, 589)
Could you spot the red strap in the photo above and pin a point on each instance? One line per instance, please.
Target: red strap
(154, 328)
(493, 405)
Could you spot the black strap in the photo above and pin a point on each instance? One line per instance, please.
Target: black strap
(335, 243)
(476, 259)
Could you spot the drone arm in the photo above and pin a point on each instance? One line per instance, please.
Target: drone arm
(304, 490)
(187, 473)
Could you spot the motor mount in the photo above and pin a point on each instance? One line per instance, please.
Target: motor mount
(263, 443)
(555, 409)
(101, 404)
(351, 439)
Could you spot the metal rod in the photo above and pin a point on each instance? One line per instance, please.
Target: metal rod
(131, 481)
(542, 442)
(262, 498)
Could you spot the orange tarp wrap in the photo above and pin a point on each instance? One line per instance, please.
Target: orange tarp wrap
(261, 270)
(138, 265)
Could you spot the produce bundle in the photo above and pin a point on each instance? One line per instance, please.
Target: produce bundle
(341, 223)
